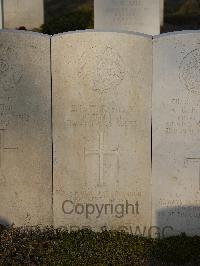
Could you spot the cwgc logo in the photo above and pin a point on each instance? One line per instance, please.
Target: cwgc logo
(101, 69)
(10, 70)
(190, 71)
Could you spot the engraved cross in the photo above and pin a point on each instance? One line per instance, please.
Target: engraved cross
(101, 153)
(195, 160)
(3, 148)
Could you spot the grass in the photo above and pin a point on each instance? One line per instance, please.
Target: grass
(20, 246)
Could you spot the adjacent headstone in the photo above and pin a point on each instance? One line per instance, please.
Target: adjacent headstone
(101, 124)
(1, 15)
(162, 12)
(26, 13)
(176, 133)
(133, 15)
(25, 129)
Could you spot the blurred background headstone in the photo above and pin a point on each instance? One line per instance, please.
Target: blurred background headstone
(23, 13)
(138, 16)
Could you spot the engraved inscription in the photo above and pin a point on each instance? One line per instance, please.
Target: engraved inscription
(6, 111)
(101, 116)
(184, 119)
(101, 153)
(190, 71)
(3, 147)
(124, 11)
(107, 72)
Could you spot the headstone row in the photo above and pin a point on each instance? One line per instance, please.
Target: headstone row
(102, 85)
(132, 15)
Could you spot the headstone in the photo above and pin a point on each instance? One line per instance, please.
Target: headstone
(27, 13)
(102, 125)
(25, 129)
(132, 15)
(176, 133)
(1, 15)
(162, 12)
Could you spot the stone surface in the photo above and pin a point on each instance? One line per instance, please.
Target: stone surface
(1, 15)
(162, 3)
(176, 132)
(102, 125)
(27, 13)
(132, 15)
(25, 129)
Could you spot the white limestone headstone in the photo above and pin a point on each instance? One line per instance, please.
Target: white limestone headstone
(133, 15)
(102, 127)
(162, 3)
(176, 132)
(25, 129)
(27, 13)
(1, 15)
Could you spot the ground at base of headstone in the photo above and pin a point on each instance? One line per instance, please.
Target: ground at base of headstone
(22, 246)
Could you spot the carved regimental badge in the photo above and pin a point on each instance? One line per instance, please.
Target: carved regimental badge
(10, 70)
(190, 71)
(101, 69)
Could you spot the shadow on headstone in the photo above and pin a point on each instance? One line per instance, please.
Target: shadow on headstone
(4, 222)
(178, 220)
(25, 128)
